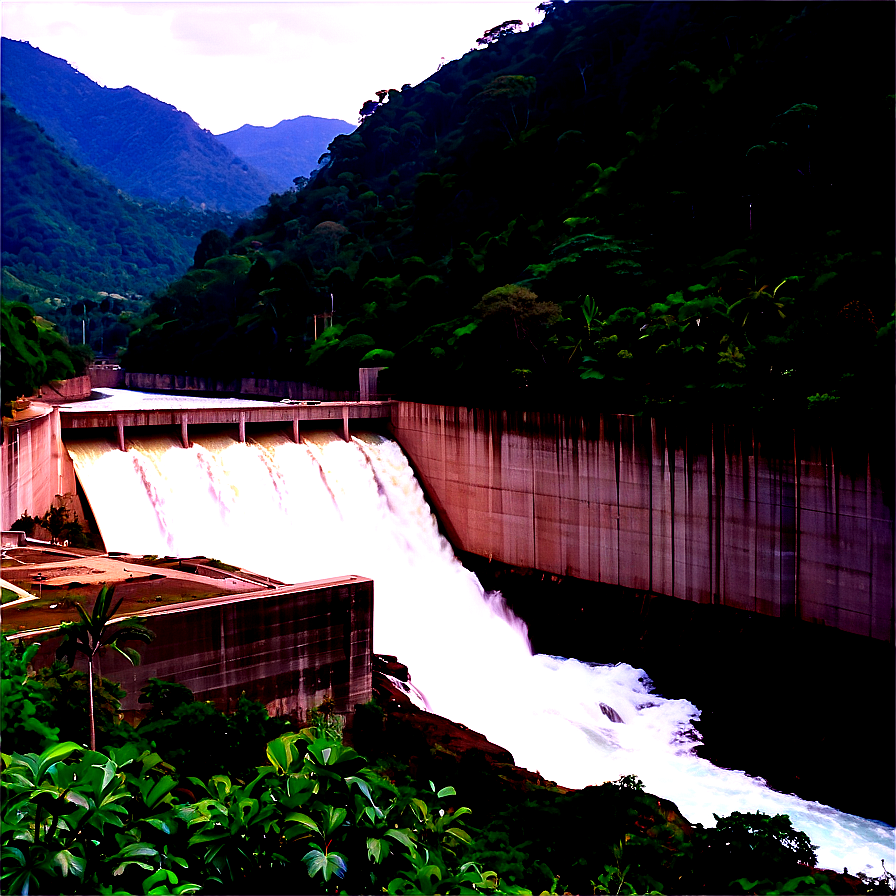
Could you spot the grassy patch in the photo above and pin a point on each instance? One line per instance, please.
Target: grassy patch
(7, 595)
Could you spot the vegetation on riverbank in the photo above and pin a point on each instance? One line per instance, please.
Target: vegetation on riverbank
(194, 799)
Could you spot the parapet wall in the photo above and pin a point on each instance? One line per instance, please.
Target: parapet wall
(707, 513)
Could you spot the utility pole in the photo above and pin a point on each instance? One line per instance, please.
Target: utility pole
(326, 320)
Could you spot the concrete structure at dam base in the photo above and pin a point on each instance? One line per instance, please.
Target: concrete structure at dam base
(286, 646)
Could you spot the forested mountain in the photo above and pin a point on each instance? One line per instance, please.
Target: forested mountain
(642, 207)
(68, 235)
(145, 147)
(288, 150)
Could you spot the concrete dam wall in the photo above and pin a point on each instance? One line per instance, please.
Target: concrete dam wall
(773, 524)
(708, 513)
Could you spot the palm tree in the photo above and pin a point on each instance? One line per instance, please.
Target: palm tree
(89, 636)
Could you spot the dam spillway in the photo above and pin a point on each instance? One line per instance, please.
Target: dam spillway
(324, 507)
(181, 413)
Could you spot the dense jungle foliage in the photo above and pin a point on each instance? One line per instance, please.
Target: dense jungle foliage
(34, 353)
(78, 250)
(145, 147)
(644, 207)
(195, 800)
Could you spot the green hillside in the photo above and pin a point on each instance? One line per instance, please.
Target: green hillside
(68, 237)
(34, 353)
(145, 147)
(641, 207)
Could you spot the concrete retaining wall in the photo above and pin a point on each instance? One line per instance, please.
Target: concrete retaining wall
(33, 466)
(60, 391)
(287, 651)
(106, 377)
(714, 514)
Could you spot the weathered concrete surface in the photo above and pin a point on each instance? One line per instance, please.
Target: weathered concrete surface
(368, 379)
(74, 389)
(34, 467)
(167, 382)
(287, 647)
(710, 513)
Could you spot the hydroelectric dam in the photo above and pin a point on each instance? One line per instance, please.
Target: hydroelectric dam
(719, 516)
(768, 523)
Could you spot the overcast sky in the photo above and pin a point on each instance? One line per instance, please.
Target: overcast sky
(232, 63)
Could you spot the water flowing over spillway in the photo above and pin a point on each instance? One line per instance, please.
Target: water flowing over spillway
(299, 512)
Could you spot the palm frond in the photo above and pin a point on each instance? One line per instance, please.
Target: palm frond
(128, 653)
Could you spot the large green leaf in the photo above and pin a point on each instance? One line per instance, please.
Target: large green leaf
(460, 834)
(159, 791)
(333, 818)
(364, 787)
(282, 753)
(328, 863)
(402, 836)
(302, 821)
(54, 754)
(69, 863)
(377, 849)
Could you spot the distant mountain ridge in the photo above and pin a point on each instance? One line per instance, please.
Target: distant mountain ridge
(287, 150)
(79, 251)
(145, 147)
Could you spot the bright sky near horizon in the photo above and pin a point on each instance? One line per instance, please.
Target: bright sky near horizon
(227, 63)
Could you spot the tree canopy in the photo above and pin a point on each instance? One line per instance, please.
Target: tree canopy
(683, 187)
(34, 353)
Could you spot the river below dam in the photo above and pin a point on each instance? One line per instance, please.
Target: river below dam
(325, 507)
(804, 706)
